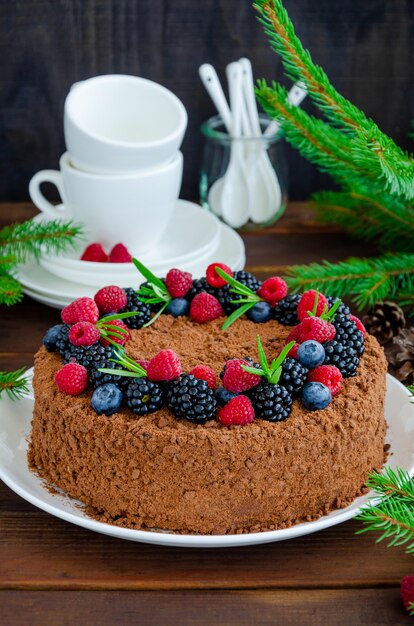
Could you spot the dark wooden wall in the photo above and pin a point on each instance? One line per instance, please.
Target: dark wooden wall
(366, 47)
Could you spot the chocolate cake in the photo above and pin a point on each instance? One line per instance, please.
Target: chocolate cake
(162, 471)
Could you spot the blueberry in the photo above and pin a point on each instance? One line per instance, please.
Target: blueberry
(311, 353)
(178, 307)
(49, 340)
(223, 396)
(316, 396)
(106, 399)
(260, 312)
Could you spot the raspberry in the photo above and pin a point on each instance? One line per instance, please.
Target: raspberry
(237, 412)
(164, 366)
(293, 352)
(203, 372)
(315, 328)
(307, 303)
(178, 283)
(143, 363)
(407, 591)
(84, 334)
(294, 334)
(110, 299)
(94, 252)
(80, 310)
(121, 337)
(329, 375)
(72, 379)
(205, 308)
(358, 323)
(119, 254)
(236, 379)
(213, 279)
(273, 289)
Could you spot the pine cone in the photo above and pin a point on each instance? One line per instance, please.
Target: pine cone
(385, 321)
(400, 355)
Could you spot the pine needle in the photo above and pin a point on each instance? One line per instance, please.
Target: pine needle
(366, 281)
(21, 241)
(10, 290)
(370, 148)
(14, 384)
(393, 515)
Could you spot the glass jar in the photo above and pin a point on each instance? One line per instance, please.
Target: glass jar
(243, 179)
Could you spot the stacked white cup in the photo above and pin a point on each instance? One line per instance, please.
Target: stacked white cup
(122, 172)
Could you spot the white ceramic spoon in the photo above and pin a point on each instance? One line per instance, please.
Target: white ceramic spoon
(296, 95)
(214, 89)
(265, 192)
(235, 200)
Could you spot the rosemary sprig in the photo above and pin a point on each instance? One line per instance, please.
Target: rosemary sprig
(155, 293)
(129, 367)
(247, 301)
(14, 384)
(273, 371)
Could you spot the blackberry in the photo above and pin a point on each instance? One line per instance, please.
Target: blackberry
(293, 376)
(245, 278)
(97, 378)
(93, 358)
(191, 398)
(89, 356)
(143, 396)
(62, 340)
(342, 356)
(286, 310)
(348, 334)
(342, 307)
(272, 403)
(199, 285)
(134, 304)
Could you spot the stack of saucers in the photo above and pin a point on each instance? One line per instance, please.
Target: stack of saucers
(194, 239)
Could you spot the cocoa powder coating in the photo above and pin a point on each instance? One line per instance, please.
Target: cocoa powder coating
(159, 472)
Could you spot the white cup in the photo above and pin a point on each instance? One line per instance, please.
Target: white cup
(130, 208)
(117, 123)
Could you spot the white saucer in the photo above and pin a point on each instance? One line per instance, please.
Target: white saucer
(15, 418)
(193, 234)
(44, 287)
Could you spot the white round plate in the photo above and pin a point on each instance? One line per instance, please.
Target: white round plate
(53, 302)
(193, 233)
(38, 281)
(15, 419)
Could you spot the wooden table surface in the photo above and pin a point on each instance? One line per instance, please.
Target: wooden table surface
(52, 572)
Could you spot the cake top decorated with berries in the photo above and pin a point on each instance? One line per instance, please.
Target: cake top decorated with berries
(98, 341)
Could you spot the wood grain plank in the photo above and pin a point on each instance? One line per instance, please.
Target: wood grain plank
(42, 552)
(380, 607)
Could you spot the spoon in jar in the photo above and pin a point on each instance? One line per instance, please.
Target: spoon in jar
(235, 195)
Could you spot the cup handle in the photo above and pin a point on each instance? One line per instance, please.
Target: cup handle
(47, 176)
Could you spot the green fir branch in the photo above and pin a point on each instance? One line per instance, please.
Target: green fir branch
(366, 281)
(378, 216)
(10, 290)
(316, 141)
(393, 515)
(21, 241)
(14, 384)
(369, 145)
